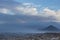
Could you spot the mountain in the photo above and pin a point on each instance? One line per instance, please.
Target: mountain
(51, 28)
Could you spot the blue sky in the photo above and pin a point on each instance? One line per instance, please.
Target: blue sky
(28, 14)
(44, 3)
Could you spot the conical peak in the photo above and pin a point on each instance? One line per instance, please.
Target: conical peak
(51, 27)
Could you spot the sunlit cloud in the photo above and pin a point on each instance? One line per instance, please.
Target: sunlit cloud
(49, 12)
(27, 10)
(52, 13)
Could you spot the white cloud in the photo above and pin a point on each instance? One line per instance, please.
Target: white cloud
(27, 10)
(30, 9)
(46, 12)
(56, 14)
(4, 10)
(27, 4)
(49, 12)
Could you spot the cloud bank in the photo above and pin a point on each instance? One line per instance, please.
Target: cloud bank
(29, 12)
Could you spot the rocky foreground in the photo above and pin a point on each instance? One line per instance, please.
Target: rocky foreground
(32, 36)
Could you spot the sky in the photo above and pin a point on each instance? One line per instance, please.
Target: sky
(28, 14)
